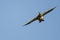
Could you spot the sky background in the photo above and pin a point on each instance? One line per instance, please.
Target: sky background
(15, 13)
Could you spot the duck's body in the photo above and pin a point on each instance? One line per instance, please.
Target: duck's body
(40, 17)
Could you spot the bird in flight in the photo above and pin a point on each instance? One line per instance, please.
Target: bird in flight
(40, 16)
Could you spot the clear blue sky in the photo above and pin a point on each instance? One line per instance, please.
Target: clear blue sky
(15, 13)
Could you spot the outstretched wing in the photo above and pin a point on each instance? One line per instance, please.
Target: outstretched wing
(48, 11)
(31, 21)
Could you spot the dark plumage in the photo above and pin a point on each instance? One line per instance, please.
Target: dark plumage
(40, 17)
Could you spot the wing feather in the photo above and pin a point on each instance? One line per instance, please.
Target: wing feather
(48, 11)
(31, 21)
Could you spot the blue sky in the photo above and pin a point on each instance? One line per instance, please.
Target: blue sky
(15, 13)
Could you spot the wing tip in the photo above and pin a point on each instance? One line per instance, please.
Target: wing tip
(25, 24)
(55, 7)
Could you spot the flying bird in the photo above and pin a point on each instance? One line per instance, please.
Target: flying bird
(40, 16)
